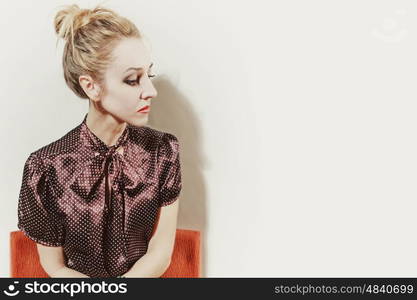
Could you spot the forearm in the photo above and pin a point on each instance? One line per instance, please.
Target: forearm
(151, 265)
(67, 272)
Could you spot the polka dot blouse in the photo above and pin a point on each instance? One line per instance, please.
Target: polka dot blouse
(99, 202)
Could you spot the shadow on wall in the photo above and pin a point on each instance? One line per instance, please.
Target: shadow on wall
(172, 112)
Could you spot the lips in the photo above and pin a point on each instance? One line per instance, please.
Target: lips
(145, 108)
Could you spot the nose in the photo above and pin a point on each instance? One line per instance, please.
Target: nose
(148, 91)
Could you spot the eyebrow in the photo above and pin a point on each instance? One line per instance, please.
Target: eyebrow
(132, 68)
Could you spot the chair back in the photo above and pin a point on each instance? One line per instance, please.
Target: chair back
(185, 260)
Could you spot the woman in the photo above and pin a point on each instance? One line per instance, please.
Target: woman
(101, 200)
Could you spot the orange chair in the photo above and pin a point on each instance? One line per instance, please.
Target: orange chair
(185, 260)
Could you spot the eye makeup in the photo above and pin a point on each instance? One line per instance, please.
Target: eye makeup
(131, 82)
(136, 81)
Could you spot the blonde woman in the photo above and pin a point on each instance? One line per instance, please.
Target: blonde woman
(101, 200)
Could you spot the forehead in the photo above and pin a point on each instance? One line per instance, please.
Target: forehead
(131, 52)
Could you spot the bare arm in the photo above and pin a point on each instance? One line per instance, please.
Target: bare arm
(158, 257)
(52, 261)
(67, 272)
(151, 265)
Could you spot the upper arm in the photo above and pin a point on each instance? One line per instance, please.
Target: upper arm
(169, 170)
(37, 218)
(170, 185)
(163, 239)
(51, 258)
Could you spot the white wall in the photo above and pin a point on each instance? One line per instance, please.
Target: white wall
(296, 121)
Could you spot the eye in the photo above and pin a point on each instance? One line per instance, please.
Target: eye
(133, 82)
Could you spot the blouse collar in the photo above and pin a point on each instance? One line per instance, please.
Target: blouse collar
(90, 139)
(105, 163)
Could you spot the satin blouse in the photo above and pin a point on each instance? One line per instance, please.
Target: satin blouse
(99, 202)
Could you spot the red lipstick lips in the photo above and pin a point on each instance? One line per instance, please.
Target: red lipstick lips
(144, 109)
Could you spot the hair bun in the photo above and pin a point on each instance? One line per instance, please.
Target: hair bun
(69, 19)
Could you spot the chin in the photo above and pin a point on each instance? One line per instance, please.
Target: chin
(139, 121)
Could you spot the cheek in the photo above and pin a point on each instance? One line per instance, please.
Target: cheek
(120, 98)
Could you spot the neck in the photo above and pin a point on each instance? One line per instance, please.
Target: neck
(105, 126)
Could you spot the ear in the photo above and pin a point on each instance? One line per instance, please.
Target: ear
(90, 87)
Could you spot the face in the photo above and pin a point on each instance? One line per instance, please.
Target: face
(128, 86)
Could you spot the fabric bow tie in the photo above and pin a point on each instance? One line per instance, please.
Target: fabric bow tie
(104, 165)
(109, 164)
(112, 167)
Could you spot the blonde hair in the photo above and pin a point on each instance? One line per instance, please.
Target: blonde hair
(90, 35)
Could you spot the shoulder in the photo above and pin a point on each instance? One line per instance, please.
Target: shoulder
(152, 138)
(65, 144)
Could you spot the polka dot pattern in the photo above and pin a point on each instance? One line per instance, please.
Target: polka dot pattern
(99, 202)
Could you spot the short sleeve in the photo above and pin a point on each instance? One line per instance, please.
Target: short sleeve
(170, 182)
(35, 219)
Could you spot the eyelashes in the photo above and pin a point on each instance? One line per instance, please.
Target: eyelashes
(133, 82)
